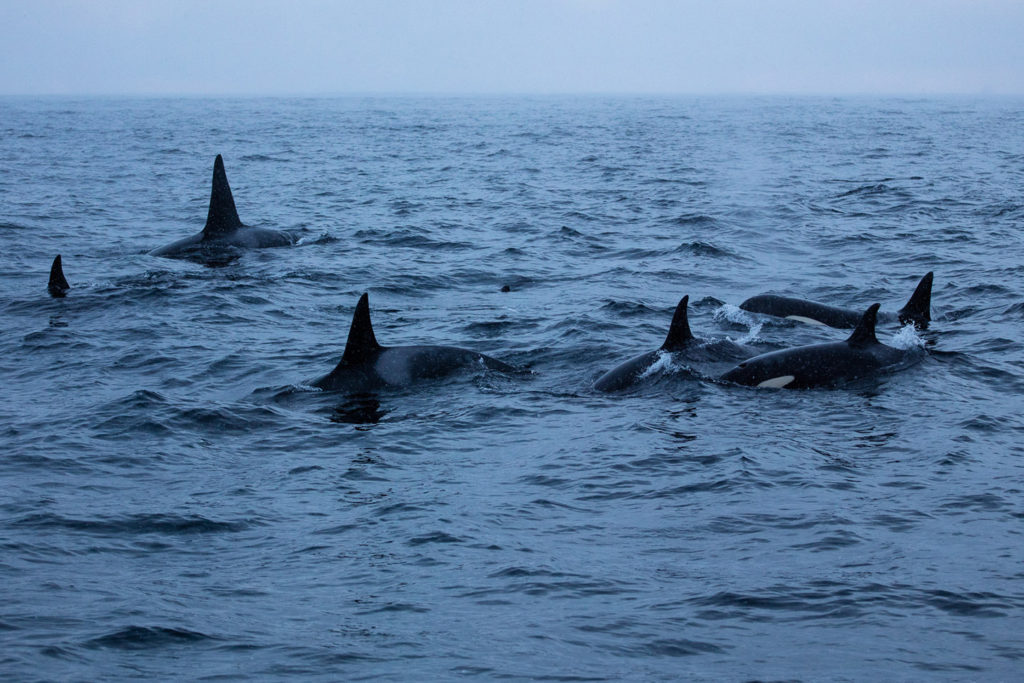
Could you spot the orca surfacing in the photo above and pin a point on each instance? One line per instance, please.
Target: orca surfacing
(679, 341)
(223, 227)
(368, 366)
(917, 310)
(58, 286)
(825, 365)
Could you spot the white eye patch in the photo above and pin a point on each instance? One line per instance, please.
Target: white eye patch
(777, 382)
(802, 319)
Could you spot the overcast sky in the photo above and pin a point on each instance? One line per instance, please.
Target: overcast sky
(511, 46)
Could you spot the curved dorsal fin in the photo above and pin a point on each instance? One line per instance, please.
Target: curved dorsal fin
(58, 285)
(222, 216)
(361, 340)
(918, 309)
(679, 334)
(865, 332)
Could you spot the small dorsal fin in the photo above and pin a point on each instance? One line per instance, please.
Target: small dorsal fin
(679, 334)
(865, 332)
(58, 285)
(918, 309)
(222, 217)
(361, 340)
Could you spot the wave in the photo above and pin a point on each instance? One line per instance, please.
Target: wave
(148, 638)
(152, 523)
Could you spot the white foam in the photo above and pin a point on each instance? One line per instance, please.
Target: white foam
(907, 338)
(735, 314)
(662, 364)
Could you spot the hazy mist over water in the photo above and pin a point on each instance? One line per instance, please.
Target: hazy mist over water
(329, 47)
(178, 502)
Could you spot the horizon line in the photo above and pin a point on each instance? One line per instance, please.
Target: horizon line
(491, 94)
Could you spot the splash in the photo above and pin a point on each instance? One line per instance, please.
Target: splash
(738, 316)
(663, 364)
(907, 338)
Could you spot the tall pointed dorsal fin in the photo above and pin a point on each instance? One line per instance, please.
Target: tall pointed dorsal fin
(58, 285)
(918, 308)
(222, 216)
(679, 334)
(361, 340)
(865, 332)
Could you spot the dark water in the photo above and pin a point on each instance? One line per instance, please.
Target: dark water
(176, 502)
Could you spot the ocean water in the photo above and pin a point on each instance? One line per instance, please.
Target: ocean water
(176, 502)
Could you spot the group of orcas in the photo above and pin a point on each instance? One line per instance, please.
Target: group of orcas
(368, 366)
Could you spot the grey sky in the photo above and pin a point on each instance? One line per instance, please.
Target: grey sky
(517, 46)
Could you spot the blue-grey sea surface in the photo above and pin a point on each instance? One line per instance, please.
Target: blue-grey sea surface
(178, 502)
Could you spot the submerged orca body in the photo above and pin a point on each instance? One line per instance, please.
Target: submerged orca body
(825, 365)
(223, 227)
(679, 342)
(917, 310)
(58, 284)
(368, 366)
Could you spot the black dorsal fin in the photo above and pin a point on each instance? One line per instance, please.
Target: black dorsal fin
(865, 332)
(679, 334)
(918, 309)
(58, 285)
(222, 216)
(361, 340)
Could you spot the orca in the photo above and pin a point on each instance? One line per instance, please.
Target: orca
(917, 310)
(58, 284)
(223, 227)
(679, 342)
(367, 366)
(825, 365)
